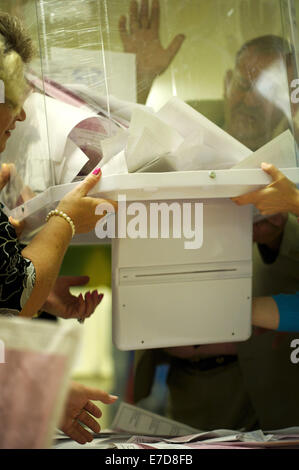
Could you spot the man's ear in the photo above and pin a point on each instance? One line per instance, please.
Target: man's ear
(227, 82)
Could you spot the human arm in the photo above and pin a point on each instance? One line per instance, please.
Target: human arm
(47, 249)
(79, 410)
(142, 38)
(265, 313)
(61, 303)
(279, 196)
(279, 312)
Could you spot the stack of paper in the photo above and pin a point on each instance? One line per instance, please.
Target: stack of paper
(178, 138)
(136, 428)
(57, 143)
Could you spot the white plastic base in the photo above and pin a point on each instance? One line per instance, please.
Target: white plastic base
(164, 295)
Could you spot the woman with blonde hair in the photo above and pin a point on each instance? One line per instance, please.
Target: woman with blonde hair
(28, 275)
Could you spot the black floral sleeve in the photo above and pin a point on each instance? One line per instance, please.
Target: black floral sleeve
(17, 274)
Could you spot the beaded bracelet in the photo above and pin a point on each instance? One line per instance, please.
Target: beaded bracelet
(64, 216)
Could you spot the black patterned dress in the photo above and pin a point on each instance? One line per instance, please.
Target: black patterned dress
(17, 274)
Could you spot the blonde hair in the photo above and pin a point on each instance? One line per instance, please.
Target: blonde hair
(16, 49)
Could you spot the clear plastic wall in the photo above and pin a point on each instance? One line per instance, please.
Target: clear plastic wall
(95, 58)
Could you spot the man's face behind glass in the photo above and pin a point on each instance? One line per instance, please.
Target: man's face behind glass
(249, 116)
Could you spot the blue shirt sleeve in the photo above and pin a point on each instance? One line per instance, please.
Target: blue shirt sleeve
(288, 306)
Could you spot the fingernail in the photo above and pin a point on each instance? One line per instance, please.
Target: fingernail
(101, 297)
(113, 397)
(97, 171)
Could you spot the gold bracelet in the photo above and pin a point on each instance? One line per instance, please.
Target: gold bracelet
(64, 216)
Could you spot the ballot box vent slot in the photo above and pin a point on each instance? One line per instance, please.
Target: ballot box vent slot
(183, 273)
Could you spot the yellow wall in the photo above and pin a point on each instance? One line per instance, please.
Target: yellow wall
(214, 31)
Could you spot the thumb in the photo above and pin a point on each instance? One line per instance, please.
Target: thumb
(271, 170)
(248, 198)
(89, 182)
(17, 224)
(175, 46)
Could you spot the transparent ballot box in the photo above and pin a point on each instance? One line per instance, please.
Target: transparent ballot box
(179, 102)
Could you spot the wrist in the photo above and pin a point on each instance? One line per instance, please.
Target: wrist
(61, 226)
(61, 214)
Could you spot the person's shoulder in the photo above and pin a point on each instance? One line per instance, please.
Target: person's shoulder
(211, 109)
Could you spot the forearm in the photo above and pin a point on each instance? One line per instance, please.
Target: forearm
(265, 313)
(144, 86)
(46, 251)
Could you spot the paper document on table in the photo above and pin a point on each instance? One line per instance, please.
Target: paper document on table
(135, 420)
(281, 152)
(217, 439)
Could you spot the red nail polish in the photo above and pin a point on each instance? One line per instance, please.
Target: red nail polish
(97, 171)
(101, 297)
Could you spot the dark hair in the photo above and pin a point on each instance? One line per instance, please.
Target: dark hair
(267, 44)
(16, 37)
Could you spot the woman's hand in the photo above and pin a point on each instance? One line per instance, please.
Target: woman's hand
(279, 196)
(47, 249)
(61, 303)
(79, 411)
(81, 208)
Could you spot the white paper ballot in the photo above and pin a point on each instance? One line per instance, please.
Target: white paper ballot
(113, 145)
(98, 69)
(149, 137)
(111, 105)
(41, 141)
(135, 420)
(144, 149)
(117, 165)
(73, 161)
(281, 152)
(186, 121)
(61, 118)
(183, 134)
